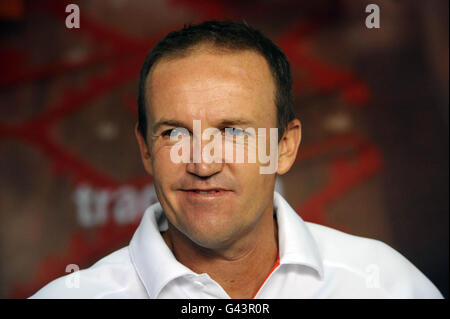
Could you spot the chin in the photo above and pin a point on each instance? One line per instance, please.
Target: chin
(211, 237)
(212, 243)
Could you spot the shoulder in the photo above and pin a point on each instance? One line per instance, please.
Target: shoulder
(373, 262)
(113, 276)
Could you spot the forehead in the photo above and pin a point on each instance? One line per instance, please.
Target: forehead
(211, 84)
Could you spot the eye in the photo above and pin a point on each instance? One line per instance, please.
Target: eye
(175, 132)
(232, 131)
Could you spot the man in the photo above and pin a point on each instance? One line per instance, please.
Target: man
(219, 229)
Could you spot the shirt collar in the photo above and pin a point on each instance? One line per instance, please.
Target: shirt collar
(295, 241)
(153, 260)
(157, 266)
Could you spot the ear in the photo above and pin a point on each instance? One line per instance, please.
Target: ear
(145, 151)
(288, 146)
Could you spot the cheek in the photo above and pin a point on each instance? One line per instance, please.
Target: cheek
(163, 167)
(249, 177)
(255, 187)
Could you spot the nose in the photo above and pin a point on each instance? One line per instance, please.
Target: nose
(202, 167)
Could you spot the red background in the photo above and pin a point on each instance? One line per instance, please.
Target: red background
(373, 105)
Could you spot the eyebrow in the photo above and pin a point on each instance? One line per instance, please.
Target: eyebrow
(234, 122)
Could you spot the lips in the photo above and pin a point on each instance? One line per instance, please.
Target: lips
(205, 192)
(210, 192)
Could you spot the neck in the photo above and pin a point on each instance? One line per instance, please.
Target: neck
(240, 268)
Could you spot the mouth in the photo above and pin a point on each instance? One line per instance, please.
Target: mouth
(212, 192)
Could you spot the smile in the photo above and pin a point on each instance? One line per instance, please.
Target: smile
(206, 192)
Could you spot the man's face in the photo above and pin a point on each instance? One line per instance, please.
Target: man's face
(222, 90)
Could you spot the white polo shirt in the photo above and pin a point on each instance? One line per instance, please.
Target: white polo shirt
(314, 262)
